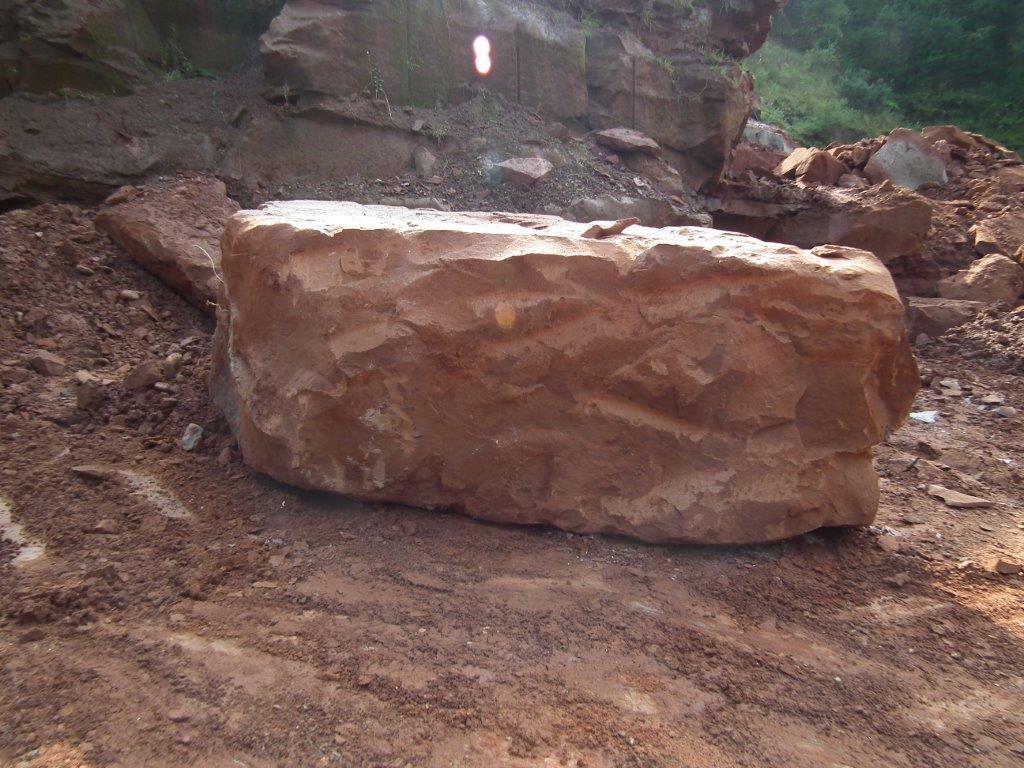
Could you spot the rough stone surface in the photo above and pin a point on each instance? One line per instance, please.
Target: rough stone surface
(990, 280)
(673, 385)
(174, 232)
(908, 160)
(525, 171)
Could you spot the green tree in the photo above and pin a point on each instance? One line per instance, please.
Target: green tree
(926, 61)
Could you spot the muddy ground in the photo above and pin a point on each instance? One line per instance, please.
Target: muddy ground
(164, 608)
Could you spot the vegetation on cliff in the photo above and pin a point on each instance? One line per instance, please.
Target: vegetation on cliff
(848, 68)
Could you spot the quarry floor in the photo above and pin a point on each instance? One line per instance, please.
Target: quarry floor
(186, 611)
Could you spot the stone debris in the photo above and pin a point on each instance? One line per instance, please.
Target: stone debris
(810, 165)
(173, 230)
(1003, 566)
(958, 500)
(541, 370)
(191, 437)
(46, 363)
(143, 375)
(425, 162)
(627, 140)
(525, 171)
(598, 231)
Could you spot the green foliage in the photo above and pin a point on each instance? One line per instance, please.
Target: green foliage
(927, 61)
(810, 95)
(175, 62)
(589, 23)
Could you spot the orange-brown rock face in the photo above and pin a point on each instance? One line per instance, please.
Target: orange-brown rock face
(676, 385)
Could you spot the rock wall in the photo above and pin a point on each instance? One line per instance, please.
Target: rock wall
(115, 46)
(665, 68)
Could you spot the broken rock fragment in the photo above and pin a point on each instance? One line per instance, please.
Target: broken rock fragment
(811, 166)
(676, 385)
(989, 280)
(173, 231)
(627, 140)
(525, 171)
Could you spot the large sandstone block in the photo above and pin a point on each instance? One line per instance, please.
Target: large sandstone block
(676, 385)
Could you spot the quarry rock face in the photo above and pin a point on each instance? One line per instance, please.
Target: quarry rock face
(676, 385)
(421, 53)
(637, 66)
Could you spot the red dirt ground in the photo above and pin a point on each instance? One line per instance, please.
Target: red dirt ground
(190, 612)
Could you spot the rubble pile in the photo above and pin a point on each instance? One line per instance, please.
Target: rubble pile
(952, 197)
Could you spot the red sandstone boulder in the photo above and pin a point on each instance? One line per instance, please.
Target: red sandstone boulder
(992, 279)
(174, 232)
(811, 166)
(676, 385)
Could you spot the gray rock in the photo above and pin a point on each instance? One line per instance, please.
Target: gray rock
(907, 160)
(190, 439)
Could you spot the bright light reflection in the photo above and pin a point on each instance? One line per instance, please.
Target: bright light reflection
(482, 54)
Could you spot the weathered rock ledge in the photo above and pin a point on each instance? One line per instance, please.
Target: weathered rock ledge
(676, 385)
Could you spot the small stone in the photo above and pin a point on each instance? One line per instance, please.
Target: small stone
(46, 363)
(225, 456)
(889, 544)
(425, 162)
(627, 140)
(171, 365)
(957, 500)
(1005, 411)
(32, 636)
(106, 526)
(899, 581)
(129, 295)
(122, 195)
(145, 374)
(1003, 567)
(925, 417)
(193, 434)
(994, 399)
(94, 471)
(418, 125)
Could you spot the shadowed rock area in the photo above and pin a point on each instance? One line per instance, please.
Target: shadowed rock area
(673, 385)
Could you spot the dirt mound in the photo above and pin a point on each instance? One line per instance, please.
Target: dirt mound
(994, 336)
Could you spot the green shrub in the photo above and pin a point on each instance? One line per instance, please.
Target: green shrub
(809, 95)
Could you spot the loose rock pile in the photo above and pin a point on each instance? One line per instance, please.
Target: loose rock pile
(952, 197)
